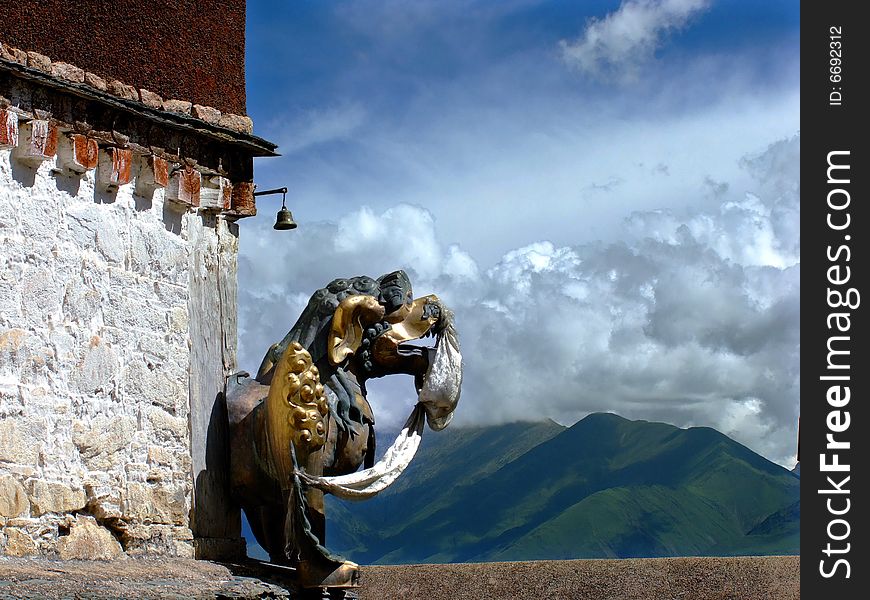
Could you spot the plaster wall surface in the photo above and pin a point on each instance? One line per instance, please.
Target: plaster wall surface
(95, 359)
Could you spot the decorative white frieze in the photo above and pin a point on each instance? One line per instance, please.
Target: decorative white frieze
(153, 174)
(216, 194)
(8, 128)
(37, 141)
(78, 153)
(115, 167)
(184, 187)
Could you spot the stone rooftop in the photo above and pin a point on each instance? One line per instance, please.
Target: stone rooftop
(193, 51)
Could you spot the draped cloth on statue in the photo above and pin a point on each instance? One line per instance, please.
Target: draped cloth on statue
(436, 402)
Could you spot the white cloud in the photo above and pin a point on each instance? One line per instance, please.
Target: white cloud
(620, 43)
(496, 167)
(312, 127)
(437, 116)
(693, 319)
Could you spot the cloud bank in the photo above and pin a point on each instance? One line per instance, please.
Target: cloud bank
(616, 46)
(691, 318)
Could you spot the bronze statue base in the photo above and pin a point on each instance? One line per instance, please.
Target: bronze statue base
(327, 594)
(345, 576)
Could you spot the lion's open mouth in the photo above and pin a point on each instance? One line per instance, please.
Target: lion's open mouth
(414, 349)
(436, 402)
(394, 344)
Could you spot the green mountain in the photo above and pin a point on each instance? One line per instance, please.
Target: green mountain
(781, 529)
(605, 487)
(450, 461)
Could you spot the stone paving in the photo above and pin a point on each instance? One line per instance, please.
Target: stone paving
(738, 578)
(133, 578)
(741, 578)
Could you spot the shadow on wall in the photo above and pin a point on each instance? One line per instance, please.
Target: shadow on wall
(171, 218)
(143, 203)
(69, 184)
(22, 172)
(105, 196)
(216, 517)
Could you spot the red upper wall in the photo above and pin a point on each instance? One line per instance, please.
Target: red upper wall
(190, 50)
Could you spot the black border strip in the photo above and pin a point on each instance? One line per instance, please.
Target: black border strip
(835, 222)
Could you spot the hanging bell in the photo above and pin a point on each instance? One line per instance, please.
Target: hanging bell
(285, 220)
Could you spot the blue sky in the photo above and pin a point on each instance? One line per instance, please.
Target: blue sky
(607, 193)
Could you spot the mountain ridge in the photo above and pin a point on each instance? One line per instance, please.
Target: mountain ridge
(604, 487)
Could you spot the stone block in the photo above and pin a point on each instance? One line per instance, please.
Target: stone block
(171, 295)
(150, 99)
(11, 397)
(95, 81)
(115, 167)
(184, 187)
(157, 455)
(66, 352)
(153, 174)
(38, 61)
(102, 441)
(50, 401)
(80, 302)
(18, 543)
(8, 128)
(149, 540)
(122, 90)
(13, 54)
(13, 497)
(53, 497)
(87, 540)
(12, 344)
(92, 226)
(156, 349)
(177, 106)
(216, 194)
(133, 303)
(155, 503)
(166, 427)
(158, 384)
(98, 368)
(78, 153)
(184, 549)
(39, 290)
(38, 141)
(104, 500)
(10, 291)
(178, 319)
(22, 440)
(206, 113)
(158, 254)
(67, 71)
(21, 471)
(239, 123)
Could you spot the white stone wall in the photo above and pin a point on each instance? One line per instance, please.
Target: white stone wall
(95, 451)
